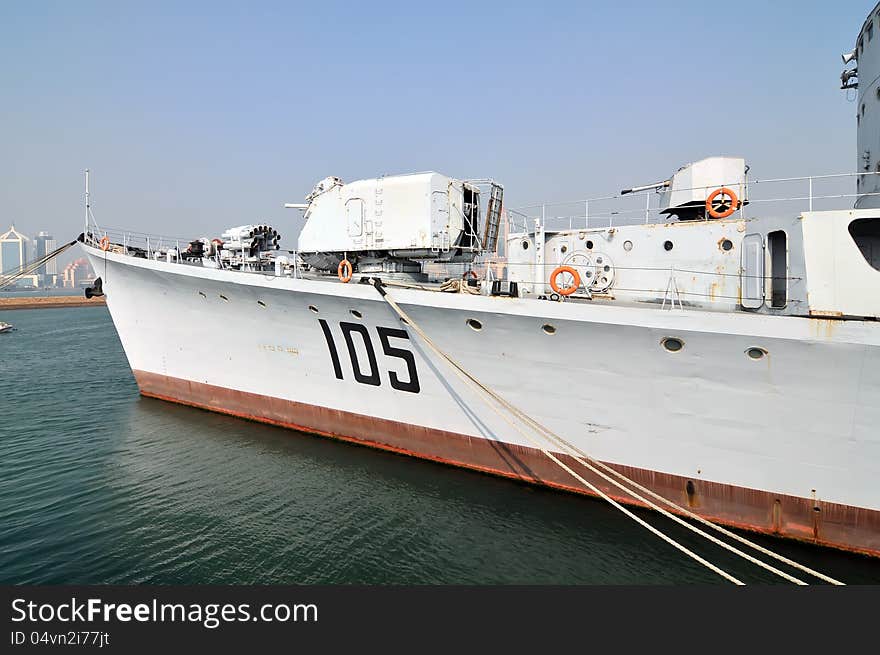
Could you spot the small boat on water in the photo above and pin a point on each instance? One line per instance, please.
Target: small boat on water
(6, 327)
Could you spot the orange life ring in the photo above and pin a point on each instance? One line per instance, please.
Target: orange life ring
(345, 265)
(734, 203)
(472, 273)
(566, 291)
(105, 243)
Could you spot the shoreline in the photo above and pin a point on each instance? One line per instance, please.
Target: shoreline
(49, 302)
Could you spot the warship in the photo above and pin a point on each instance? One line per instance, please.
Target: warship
(718, 350)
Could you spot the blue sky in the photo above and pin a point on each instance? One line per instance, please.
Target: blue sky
(197, 116)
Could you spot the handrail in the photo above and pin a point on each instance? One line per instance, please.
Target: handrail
(154, 243)
(635, 208)
(704, 187)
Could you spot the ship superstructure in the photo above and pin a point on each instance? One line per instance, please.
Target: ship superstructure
(860, 78)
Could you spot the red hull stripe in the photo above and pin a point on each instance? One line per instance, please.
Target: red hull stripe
(829, 524)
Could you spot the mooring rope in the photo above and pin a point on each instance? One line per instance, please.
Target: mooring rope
(27, 269)
(593, 464)
(578, 454)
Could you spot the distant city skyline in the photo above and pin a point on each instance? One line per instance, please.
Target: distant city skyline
(200, 116)
(17, 249)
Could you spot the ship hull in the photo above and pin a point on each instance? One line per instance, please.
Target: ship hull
(783, 446)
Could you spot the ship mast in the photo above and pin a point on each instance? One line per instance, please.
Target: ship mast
(88, 210)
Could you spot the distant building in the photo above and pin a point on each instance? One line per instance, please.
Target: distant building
(77, 273)
(44, 243)
(13, 251)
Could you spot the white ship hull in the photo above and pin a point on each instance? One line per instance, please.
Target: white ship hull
(787, 444)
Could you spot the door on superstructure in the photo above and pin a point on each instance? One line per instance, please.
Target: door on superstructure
(354, 214)
(777, 259)
(752, 272)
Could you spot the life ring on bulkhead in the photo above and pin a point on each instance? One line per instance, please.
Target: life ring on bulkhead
(345, 270)
(714, 213)
(105, 243)
(575, 283)
(471, 273)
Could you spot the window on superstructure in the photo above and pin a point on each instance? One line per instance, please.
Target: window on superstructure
(777, 247)
(866, 233)
(870, 31)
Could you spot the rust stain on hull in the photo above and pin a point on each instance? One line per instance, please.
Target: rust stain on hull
(834, 525)
(824, 327)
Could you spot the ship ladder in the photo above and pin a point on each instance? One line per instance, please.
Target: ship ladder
(499, 405)
(493, 218)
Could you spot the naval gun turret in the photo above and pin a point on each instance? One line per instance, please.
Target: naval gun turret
(394, 224)
(719, 180)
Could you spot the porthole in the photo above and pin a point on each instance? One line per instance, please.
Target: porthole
(224, 298)
(671, 344)
(726, 244)
(202, 294)
(627, 245)
(313, 309)
(607, 268)
(756, 353)
(474, 324)
(589, 245)
(667, 245)
(563, 249)
(548, 329)
(355, 313)
(261, 303)
(525, 244)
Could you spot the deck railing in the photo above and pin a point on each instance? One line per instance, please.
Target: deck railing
(766, 197)
(156, 246)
